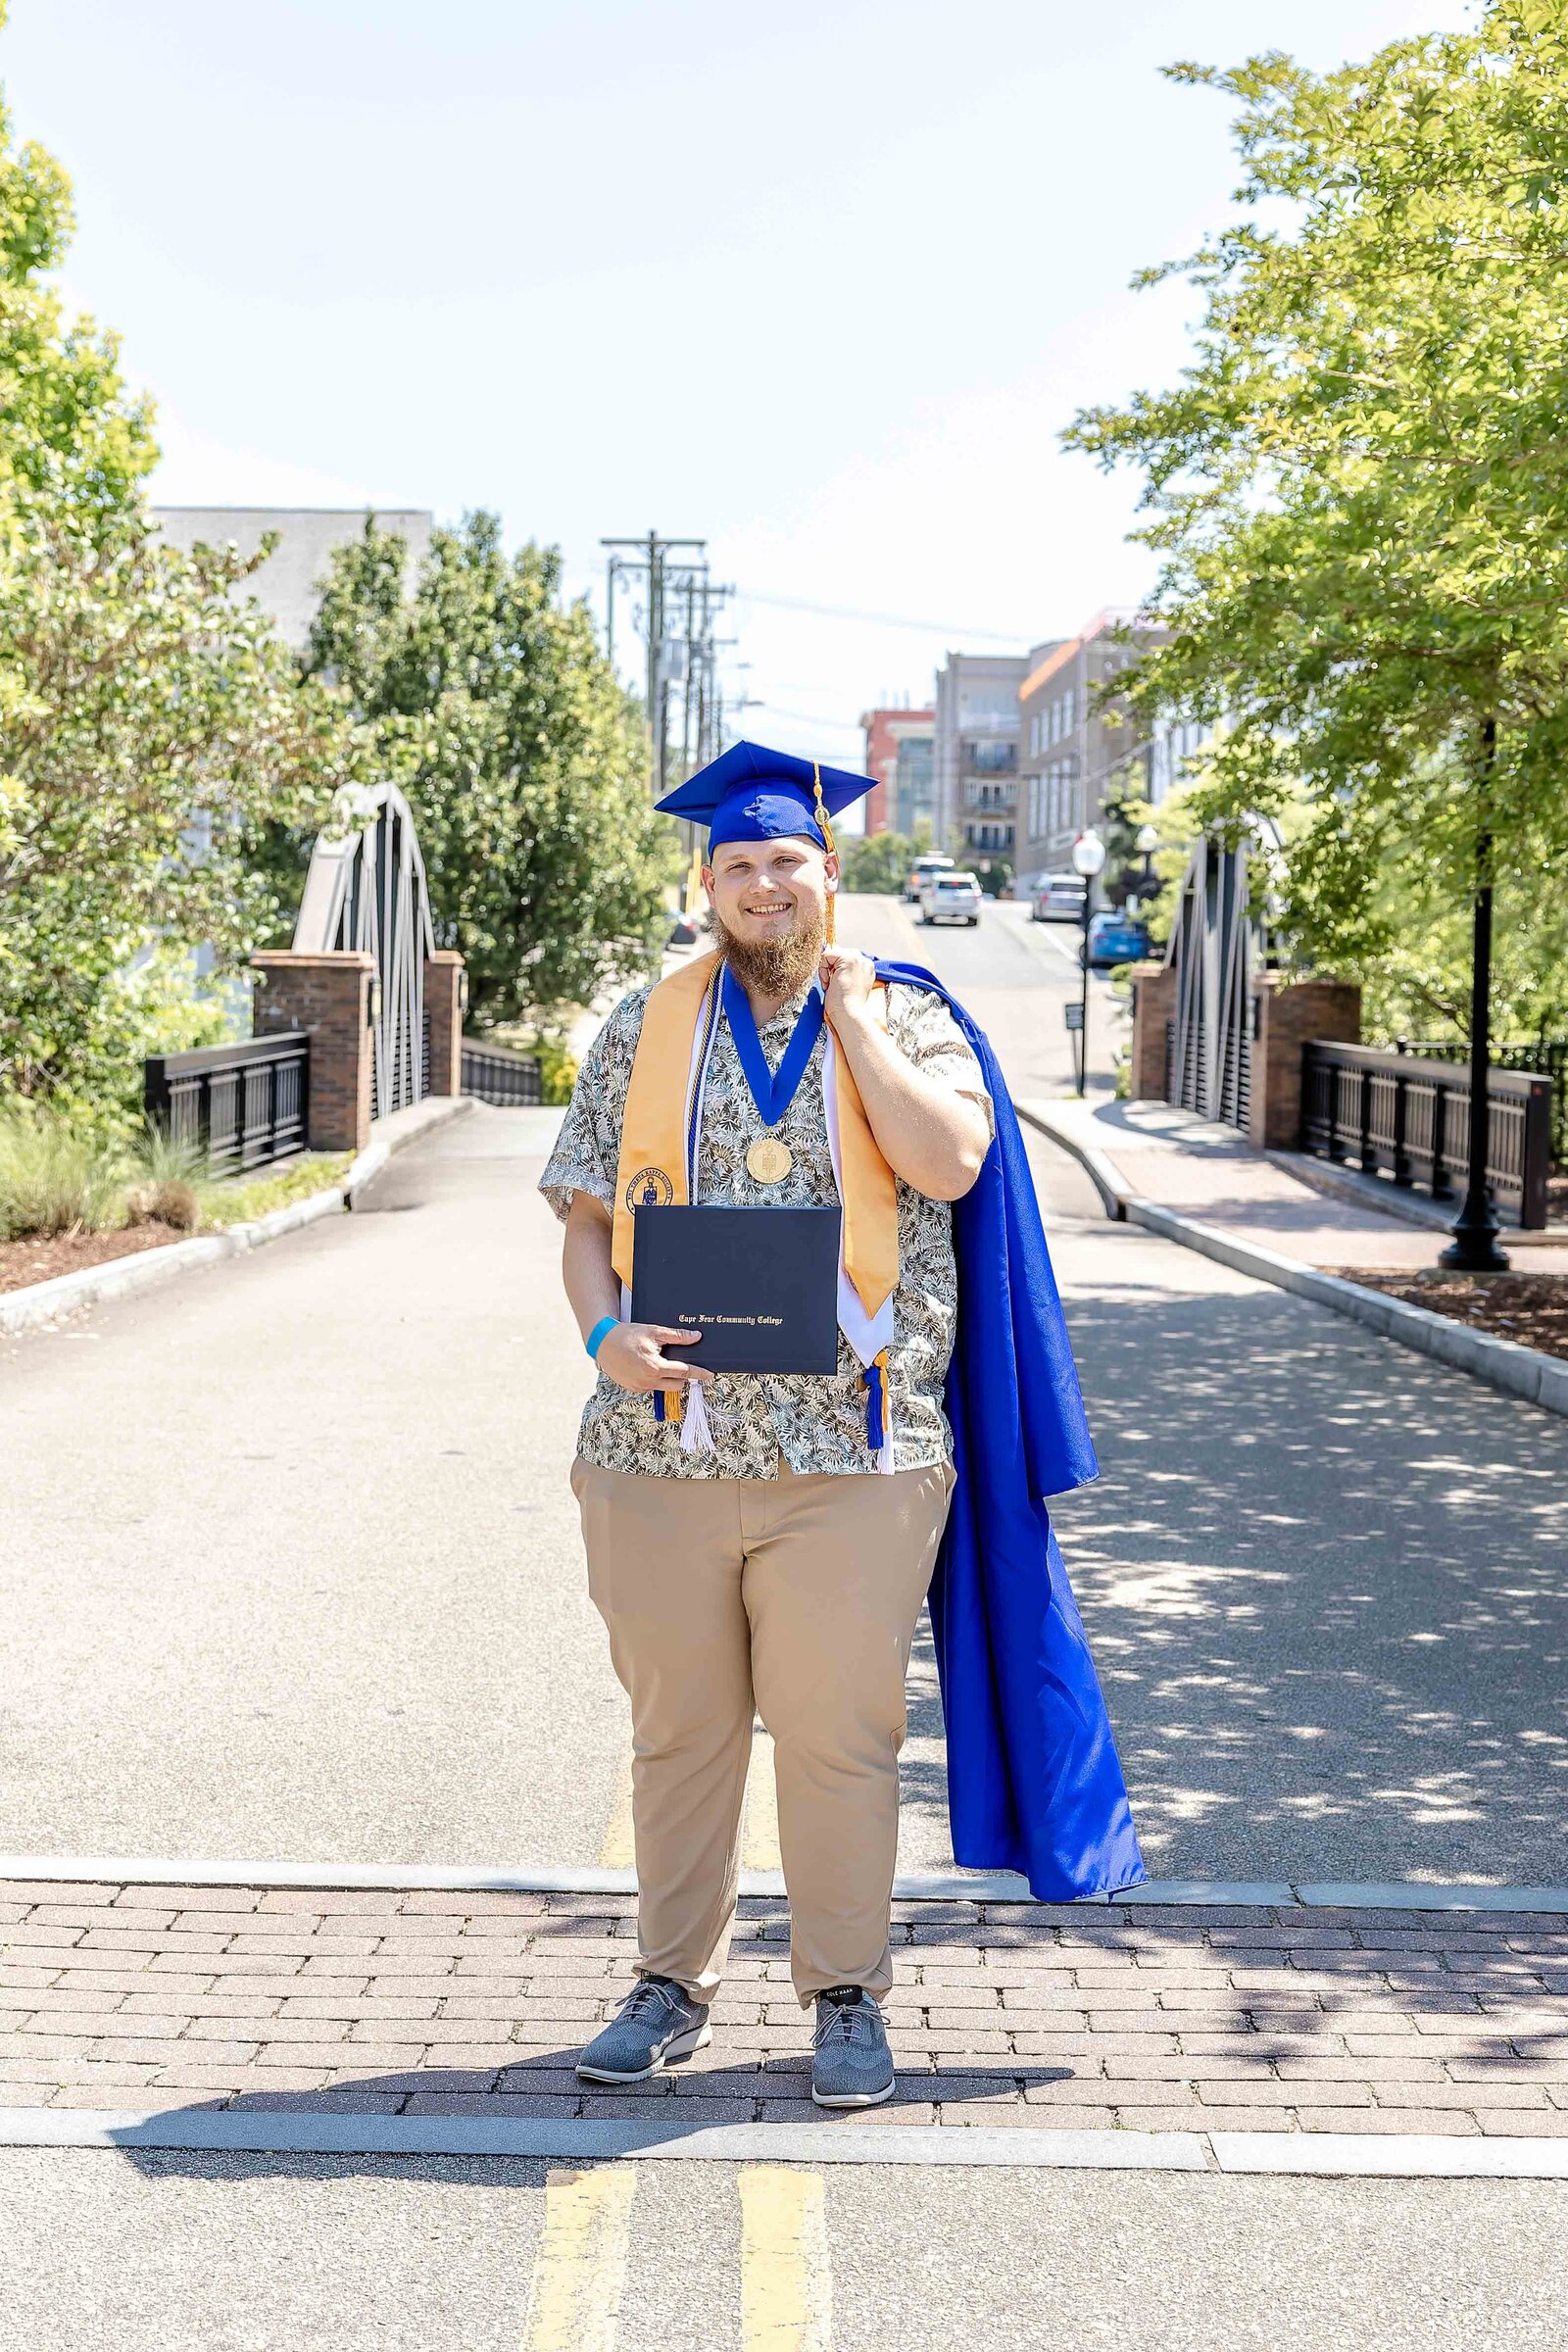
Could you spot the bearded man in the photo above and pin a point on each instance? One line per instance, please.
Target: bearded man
(764, 1542)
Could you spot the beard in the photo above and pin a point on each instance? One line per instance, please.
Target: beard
(774, 968)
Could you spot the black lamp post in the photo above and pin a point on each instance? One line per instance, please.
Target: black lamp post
(1474, 1247)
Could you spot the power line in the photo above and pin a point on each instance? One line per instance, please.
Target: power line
(804, 718)
(881, 621)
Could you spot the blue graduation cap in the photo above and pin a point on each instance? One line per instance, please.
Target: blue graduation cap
(751, 794)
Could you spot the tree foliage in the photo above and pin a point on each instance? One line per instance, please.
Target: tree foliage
(881, 861)
(147, 718)
(1358, 489)
(154, 722)
(489, 700)
(73, 439)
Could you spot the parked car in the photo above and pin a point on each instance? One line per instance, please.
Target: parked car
(1116, 939)
(933, 862)
(1058, 898)
(951, 898)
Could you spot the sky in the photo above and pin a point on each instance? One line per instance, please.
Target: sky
(820, 284)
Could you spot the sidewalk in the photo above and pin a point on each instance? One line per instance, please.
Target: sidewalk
(1143, 2018)
(1206, 1171)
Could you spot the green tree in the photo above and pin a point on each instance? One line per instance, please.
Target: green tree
(147, 718)
(489, 700)
(152, 722)
(1358, 489)
(73, 439)
(881, 861)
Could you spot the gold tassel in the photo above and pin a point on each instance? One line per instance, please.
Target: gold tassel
(827, 835)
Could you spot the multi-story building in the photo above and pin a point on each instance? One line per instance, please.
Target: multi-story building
(975, 745)
(898, 754)
(915, 785)
(1072, 756)
(289, 585)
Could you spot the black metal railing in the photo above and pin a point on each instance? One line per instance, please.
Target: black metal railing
(241, 1106)
(1547, 1058)
(1409, 1118)
(498, 1074)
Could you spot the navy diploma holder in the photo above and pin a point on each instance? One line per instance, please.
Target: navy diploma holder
(759, 1284)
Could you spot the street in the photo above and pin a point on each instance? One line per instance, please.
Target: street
(296, 1577)
(300, 1577)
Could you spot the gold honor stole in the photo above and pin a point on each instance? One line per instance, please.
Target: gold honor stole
(658, 1168)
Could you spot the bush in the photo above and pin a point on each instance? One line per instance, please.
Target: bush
(558, 1070)
(58, 1175)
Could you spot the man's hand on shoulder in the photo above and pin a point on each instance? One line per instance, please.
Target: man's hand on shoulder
(848, 978)
(633, 1356)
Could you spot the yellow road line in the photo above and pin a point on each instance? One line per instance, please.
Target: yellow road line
(760, 1846)
(580, 2272)
(786, 2284)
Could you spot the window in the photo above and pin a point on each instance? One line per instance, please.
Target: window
(990, 759)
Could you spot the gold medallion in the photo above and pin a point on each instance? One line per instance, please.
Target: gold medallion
(769, 1160)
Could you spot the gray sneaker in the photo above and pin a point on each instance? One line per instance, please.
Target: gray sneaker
(657, 2022)
(851, 2065)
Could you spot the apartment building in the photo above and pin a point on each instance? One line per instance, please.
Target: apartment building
(897, 754)
(1070, 754)
(975, 746)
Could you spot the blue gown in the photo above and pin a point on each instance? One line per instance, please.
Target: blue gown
(1034, 1782)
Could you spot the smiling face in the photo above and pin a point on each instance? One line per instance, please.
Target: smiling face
(770, 905)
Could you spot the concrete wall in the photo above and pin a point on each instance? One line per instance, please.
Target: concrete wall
(288, 584)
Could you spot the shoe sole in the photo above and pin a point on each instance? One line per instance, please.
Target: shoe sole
(682, 2046)
(853, 2098)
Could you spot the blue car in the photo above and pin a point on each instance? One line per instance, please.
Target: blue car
(1116, 939)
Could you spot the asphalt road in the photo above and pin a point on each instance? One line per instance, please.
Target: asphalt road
(292, 1570)
(272, 2254)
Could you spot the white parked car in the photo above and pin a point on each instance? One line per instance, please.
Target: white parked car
(1058, 898)
(932, 862)
(951, 898)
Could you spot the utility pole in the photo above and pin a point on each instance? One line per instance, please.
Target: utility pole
(650, 563)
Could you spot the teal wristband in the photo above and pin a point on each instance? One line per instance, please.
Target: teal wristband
(596, 1338)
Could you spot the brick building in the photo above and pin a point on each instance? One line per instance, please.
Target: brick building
(898, 754)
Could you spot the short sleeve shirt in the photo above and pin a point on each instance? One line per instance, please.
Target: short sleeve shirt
(818, 1423)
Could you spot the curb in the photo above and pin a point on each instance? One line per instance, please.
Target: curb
(44, 1302)
(1332, 2154)
(1503, 1365)
(931, 1887)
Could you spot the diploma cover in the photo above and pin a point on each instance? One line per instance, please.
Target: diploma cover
(759, 1284)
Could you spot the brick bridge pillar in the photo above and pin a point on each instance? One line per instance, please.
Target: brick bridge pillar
(329, 995)
(1284, 1014)
(1153, 1004)
(443, 1004)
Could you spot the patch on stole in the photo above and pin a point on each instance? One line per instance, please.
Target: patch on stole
(650, 1187)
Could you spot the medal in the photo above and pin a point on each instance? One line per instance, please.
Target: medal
(768, 1159)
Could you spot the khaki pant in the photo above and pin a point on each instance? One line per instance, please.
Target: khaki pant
(796, 1597)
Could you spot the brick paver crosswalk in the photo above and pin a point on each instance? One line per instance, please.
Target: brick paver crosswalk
(1142, 2017)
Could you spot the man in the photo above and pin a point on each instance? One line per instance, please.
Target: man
(766, 1541)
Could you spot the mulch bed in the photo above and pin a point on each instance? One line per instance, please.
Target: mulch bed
(41, 1256)
(1532, 1309)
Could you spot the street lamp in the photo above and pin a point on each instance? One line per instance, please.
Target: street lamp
(1087, 857)
(1145, 845)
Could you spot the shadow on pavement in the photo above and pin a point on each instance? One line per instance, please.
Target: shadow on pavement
(1327, 1586)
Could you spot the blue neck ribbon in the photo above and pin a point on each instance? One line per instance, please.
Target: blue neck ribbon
(771, 1092)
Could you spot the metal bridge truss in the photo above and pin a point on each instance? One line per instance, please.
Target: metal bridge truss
(367, 891)
(1213, 944)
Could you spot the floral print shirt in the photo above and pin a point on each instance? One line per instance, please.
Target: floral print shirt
(818, 1423)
